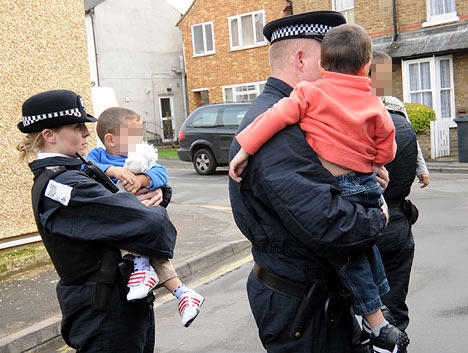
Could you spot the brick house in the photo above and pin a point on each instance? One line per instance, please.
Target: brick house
(226, 55)
(224, 49)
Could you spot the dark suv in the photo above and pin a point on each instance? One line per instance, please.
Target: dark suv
(206, 135)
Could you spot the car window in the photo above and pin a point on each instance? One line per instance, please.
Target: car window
(232, 116)
(205, 118)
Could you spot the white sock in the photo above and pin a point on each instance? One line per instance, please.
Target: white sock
(180, 291)
(141, 263)
(376, 330)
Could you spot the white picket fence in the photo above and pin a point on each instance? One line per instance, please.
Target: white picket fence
(440, 138)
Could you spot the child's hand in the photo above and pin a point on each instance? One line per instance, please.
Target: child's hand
(238, 164)
(122, 174)
(141, 180)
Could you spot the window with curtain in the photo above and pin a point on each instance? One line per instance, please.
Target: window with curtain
(346, 7)
(246, 30)
(429, 81)
(440, 11)
(203, 39)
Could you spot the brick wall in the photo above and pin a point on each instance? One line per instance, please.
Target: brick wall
(43, 47)
(225, 67)
(311, 5)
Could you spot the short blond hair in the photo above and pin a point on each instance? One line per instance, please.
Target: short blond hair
(111, 119)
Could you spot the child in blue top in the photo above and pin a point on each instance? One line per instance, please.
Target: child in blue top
(121, 132)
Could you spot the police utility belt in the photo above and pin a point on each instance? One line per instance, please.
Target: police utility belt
(407, 207)
(312, 296)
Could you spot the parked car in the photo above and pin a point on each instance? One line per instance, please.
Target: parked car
(206, 135)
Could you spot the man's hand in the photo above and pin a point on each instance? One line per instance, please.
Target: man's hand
(424, 180)
(381, 175)
(238, 164)
(150, 198)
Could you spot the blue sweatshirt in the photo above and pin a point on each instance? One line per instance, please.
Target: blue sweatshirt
(157, 174)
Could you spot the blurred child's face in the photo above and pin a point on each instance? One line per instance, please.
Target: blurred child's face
(129, 135)
(381, 78)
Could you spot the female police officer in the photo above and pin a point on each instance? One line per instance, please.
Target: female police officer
(82, 225)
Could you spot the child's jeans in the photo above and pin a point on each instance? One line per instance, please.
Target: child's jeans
(362, 273)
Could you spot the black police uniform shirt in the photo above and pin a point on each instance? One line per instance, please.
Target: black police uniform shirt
(286, 204)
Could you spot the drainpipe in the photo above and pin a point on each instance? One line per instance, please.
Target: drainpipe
(91, 16)
(395, 29)
(184, 91)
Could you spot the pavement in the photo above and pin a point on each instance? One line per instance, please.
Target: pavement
(29, 312)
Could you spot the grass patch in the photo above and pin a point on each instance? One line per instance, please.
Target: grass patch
(17, 260)
(170, 153)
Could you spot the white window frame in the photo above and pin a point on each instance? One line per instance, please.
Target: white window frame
(242, 90)
(205, 50)
(437, 19)
(435, 84)
(259, 39)
(347, 10)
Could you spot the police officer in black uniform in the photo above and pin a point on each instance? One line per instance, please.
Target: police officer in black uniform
(396, 245)
(289, 207)
(83, 224)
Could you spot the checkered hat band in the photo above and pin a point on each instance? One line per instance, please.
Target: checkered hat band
(27, 120)
(300, 30)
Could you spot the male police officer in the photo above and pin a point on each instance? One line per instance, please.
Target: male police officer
(289, 207)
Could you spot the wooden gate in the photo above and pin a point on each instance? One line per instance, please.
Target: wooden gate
(440, 138)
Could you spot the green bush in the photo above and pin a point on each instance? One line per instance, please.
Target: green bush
(420, 116)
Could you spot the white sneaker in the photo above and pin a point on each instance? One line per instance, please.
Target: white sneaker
(141, 283)
(189, 306)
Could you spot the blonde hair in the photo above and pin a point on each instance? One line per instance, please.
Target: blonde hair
(29, 146)
(111, 119)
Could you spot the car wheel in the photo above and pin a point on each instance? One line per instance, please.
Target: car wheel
(204, 162)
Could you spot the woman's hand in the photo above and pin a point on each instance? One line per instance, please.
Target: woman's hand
(150, 198)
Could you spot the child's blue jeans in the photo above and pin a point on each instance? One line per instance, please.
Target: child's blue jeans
(362, 273)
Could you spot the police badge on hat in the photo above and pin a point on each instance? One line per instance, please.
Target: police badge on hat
(52, 109)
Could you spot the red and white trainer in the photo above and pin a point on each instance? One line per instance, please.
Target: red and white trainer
(189, 306)
(141, 283)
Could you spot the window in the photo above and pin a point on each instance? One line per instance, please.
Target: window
(346, 7)
(440, 11)
(246, 31)
(429, 81)
(203, 39)
(232, 116)
(246, 92)
(206, 118)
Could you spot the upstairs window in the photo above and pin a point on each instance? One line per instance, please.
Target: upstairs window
(440, 11)
(246, 30)
(346, 7)
(203, 39)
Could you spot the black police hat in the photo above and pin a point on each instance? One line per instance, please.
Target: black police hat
(304, 25)
(52, 109)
